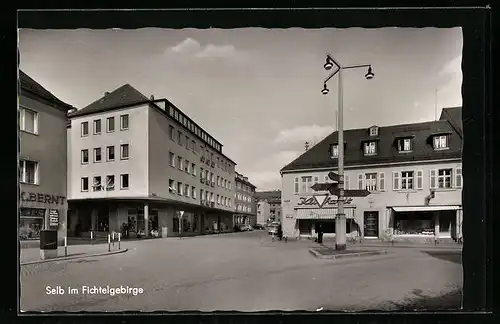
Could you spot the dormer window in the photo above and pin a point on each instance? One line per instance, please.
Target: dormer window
(404, 145)
(374, 131)
(440, 142)
(370, 148)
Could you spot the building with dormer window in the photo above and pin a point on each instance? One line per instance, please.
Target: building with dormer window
(413, 173)
(137, 162)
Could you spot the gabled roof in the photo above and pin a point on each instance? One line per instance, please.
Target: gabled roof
(124, 96)
(454, 116)
(32, 88)
(387, 152)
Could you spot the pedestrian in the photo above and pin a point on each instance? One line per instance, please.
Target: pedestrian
(280, 233)
(320, 234)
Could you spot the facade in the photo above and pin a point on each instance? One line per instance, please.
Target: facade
(413, 173)
(144, 168)
(42, 160)
(268, 206)
(245, 206)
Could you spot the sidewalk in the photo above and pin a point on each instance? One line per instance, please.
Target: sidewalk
(32, 255)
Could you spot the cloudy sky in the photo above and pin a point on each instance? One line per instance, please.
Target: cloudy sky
(257, 91)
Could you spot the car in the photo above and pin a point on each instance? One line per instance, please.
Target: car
(248, 227)
(258, 227)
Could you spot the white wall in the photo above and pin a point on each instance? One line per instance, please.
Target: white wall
(136, 166)
(377, 201)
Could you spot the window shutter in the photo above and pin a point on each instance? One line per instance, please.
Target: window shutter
(420, 180)
(381, 180)
(360, 181)
(433, 176)
(346, 182)
(395, 180)
(458, 177)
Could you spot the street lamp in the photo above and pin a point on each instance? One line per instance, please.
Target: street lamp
(340, 221)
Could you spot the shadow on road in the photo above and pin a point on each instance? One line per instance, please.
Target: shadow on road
(452, 256)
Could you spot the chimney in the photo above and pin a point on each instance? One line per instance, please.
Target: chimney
(152, 98)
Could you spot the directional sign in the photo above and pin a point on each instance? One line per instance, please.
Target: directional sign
(333, 176)
(350, 193)
(321, 186)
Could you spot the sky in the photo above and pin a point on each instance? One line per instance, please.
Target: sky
(256, 90)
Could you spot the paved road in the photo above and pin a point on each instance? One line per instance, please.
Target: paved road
(239, 271)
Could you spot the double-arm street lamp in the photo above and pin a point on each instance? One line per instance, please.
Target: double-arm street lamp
(340, 220)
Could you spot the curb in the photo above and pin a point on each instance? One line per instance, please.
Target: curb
(75, 257)
(340, 256)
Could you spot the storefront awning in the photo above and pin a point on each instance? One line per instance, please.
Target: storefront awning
(323, 213)
(425, 208)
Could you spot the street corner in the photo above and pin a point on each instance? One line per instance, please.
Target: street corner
(76, 257)
(331, 253)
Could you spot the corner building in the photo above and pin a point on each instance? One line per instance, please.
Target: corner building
(42, 162)
(136, 163)
(413, 173)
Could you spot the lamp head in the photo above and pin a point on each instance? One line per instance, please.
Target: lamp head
(370, 74)
(329, 64)
(325, 90)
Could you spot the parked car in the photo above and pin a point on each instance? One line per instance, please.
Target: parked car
(258, 227)
(273, 228)
(246, 228)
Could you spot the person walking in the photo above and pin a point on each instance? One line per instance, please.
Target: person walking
(320, 234)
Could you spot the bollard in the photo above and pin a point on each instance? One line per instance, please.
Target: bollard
(109, 243)
(91, 237)
(65, 246)
(113, 239)
(119, 237)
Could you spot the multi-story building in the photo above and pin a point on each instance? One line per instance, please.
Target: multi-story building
(245, 206)
(42, 160)
(268, 206)
(413, 173)
(144, 165)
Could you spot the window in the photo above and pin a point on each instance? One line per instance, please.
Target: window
(171, 132)
(97, 186)
(85, 156)
(29, 171)
(420, 179)
(186, 190)
(179, 188)
(229, 185)
(171, 186)
(201, 194)
(110, 182)
(110, 124)
(218, 200)
(407, 180)
(84, 128)
(187, 142)
(179, 163)
(296, 186)
(334, 151)
(404, 145)
(171, 111)
(124, 151)
(316, 180)
(186, 166)
(179, 137)
(85, 184)
(396, 180)
(440, 142)
(193, 169)
(97, 154)
(124, 181)
(193, 146)
(444, 178)
(306, 184)
(458, 177)
(97, 127)
(29, 120)
(176, 114)
(171, 159)
(202, 173)
(111, 153)
(193, 192)
(371, 181)
(370, 148)
(373, 131)
(124, 122)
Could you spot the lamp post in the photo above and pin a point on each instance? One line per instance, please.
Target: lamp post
(340, 220)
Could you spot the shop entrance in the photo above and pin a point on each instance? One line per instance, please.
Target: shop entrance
(371, 224)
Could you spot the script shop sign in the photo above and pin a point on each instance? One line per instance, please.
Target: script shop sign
(321, 201)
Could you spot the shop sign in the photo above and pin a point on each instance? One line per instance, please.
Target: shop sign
(53, 218)
(42, 198)
(318, 200)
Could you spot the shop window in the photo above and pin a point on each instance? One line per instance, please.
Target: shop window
(31, 221)
(413, 223)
